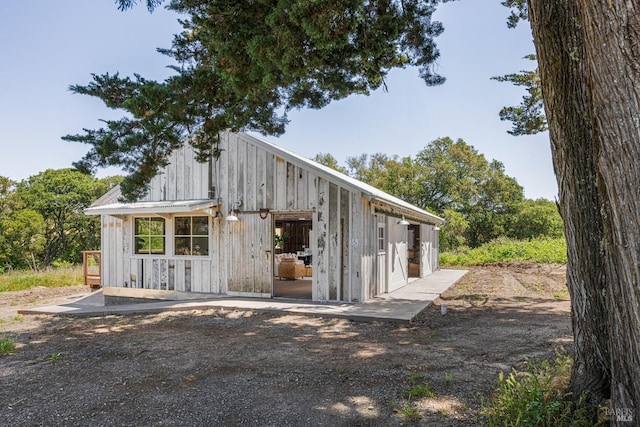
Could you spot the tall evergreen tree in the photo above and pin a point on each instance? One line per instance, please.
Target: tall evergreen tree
(244, 65)
(588, 61)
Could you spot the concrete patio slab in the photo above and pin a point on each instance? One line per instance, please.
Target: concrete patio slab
(401, 305)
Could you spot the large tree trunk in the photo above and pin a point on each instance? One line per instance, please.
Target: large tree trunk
(568, 105)
(611, 34)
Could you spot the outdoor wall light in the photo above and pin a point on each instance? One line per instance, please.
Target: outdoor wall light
(403, 221)
(234, 208)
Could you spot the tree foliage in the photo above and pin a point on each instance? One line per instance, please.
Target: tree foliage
(588, 60)
(536, 218)
(22, 239)
(42, 218)
(451, 178)
(329, 161)
(528, 118)
(244, 65)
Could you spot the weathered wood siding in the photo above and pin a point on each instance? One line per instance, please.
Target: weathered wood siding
(250, 264)
(426, 250)
(397, 258)
(113, 251)
(184, 178)
(252, 173)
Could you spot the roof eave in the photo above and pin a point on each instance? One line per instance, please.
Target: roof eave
(141, 208)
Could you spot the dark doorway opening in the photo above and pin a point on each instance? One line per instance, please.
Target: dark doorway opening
(293, 260)
(413, 250)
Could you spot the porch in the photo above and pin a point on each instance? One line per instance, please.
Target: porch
(401, 305)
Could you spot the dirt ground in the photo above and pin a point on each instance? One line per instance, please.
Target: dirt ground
(231, 368)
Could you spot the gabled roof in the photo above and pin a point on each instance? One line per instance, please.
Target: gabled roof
(375, 195)
(108, 204)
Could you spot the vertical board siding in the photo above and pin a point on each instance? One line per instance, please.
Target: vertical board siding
(358, 263)
(426, 250)
(261, 178)
(302, 189)
(334, 242)
(251, 264)
(184, 178)
(279, 185)
(397, 259)
(215, 253)
(345, 246)
(241, 160)
(321, 275)
(291, 189)
(250, 198)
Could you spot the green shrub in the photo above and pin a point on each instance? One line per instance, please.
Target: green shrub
(51, 278)
(536, 397)
(7, 345)
(543, 250)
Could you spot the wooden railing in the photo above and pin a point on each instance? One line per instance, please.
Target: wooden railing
(92, 268)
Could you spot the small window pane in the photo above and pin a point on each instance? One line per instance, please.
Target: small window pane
(200, 226)
(183, 246)
(142, 245)
(142, 226)
(200, 246)
(157, 227)
(183, 227)
(157, 245)
(381, 238)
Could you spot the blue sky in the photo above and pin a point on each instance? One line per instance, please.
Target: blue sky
(48, 45)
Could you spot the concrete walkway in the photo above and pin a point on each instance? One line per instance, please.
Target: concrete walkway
(401, 305)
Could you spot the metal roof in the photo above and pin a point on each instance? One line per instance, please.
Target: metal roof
(174, 206)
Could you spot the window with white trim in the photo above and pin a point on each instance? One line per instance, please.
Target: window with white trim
(191, 235)
(381, 237)
(149, 235)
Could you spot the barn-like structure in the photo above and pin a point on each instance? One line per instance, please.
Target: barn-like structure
(261, 221)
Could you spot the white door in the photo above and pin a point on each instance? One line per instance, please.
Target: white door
(426, 249)
(251, 259)
(397, 258)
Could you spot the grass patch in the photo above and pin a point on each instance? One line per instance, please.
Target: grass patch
(420, 390)
(7, 345)
(409, 413)
(51, 278)
(537, 396)
(543, 250)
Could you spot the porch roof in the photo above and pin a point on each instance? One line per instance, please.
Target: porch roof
(163, 207)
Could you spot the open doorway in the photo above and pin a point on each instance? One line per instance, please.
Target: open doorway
(293, 259)
(413, 250)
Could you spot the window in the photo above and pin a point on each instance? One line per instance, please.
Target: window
(149, 235)
(381, 237)
(192, 235)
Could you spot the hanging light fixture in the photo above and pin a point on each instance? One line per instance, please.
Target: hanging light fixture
(403, 221)
(234, 208)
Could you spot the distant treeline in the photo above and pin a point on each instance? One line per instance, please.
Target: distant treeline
(452, 179)
(42, 220)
